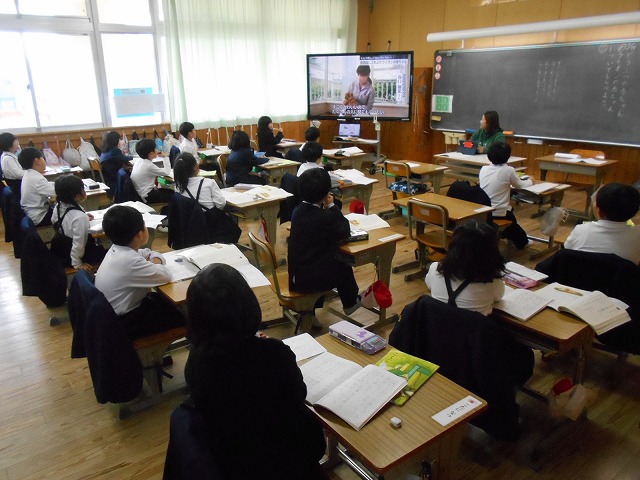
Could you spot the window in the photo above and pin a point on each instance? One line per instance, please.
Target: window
(63, 67)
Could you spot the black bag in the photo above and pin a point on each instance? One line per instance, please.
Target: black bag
(60, 243)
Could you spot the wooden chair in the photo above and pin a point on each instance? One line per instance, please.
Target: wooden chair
(96, 169)
(222, 168)
(428, 227)
(587, 188)
(296, 307)
(254, 145)
(452, 140)
(402, 186)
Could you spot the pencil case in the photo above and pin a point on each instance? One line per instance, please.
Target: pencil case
(519, 281)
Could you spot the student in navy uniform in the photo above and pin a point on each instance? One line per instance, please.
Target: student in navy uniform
(36, 191)
(112, 159)
(489, 132)
(248, 388)
(242, 160)
(496, 180)
(269, 137)
(75, 247)
(311, 134)
(317, 228)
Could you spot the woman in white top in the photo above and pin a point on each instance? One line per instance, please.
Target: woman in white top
(11, 169)
(470, 276)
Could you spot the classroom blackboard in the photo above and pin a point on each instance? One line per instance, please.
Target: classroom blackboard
(586, 92)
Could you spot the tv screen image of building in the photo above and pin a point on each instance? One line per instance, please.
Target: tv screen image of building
(355, 85)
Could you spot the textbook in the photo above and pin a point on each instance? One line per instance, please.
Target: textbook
(595, 308)
(521, 304)
(204, 255)
(414, 370)
(350, 391)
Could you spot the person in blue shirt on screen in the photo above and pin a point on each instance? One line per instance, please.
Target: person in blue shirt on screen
(489, 132)
(361, 94)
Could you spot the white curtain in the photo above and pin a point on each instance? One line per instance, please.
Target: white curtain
(231, 61)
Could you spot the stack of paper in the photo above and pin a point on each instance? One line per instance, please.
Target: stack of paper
(355, 176)
(521, 304)
(525, 271)
(365, 222)
(541, 187)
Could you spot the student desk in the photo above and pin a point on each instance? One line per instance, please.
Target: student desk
(360, 141)
(427, 172)
(285, 146)
(395, 453)
(359, 191)
(380, 253)
(267, 209)
(467, 167)
(552, 331)
(458, 209)
(52, 172)
(551, 163)
(277, 167)
(343, 161)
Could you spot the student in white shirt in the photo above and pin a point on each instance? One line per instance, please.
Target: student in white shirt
(11, 169)
(190, 185)
(496, 180)
(188, 143)
(74, 246)
(470, 276)
(311, 157)
(614, 205)
(145, 172)
(128, 272)
(36, 191)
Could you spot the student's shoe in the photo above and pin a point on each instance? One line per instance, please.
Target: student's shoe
(167, 361)
(162, 229)
(315, 323)
(348, 311)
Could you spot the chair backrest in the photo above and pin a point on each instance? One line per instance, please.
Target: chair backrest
(588, 153)
(265, 259)
(254, 145)
(429, 214)
(96, 168)
(397, 169)
(173, 153)
(222, 164)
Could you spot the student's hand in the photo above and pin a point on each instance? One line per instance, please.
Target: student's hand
(480, 149)
(85, 266)
(327, 200)
(162, 154)
(91, 217)
(156, 260)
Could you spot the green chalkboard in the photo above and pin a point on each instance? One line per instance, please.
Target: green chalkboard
(586, 92)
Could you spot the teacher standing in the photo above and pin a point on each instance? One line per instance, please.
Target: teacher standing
(489, 133)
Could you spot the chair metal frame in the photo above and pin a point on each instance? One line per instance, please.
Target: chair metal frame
(296, 307)
(96, 166)
(431, 241)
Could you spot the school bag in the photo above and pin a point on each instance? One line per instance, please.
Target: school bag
(71, 155)
(169, 141)
(158, 140)
(49, 155)
(123, 144)
(133, 142)
(86, 150)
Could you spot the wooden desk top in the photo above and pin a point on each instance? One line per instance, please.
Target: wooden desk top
(214, 152)
(380, 445)
(354, 248)
(176, 292)
(458, 209)
(553, 158)
(342, 157)
(475, 159)
(252, 204)
(289, 144)
(278, 163)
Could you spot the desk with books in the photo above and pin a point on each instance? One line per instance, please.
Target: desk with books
(394, 453)
(597, 170)
(379, 249)
(467, 167)
(345, 161)
(458, 209)
(277, 167)
(354, 184)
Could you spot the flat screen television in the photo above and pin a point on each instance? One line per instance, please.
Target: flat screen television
(360, 85)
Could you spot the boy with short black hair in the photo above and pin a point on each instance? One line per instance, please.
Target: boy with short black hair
(188, 143)
(36, 191)
(129, 271)
(311, 134)
(311, 157)
(12, 172)
(317, 228)
(145, 172)
(496, 180)
(614, 204)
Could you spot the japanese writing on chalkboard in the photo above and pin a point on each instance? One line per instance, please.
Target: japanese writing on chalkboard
(619, 58)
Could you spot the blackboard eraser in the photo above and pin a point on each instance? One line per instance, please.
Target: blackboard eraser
(436, 118)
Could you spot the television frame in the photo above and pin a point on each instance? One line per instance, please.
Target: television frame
(327, 101)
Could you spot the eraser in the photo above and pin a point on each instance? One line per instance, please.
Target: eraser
(396, 422)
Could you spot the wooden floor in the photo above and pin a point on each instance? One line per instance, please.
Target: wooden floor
(52, 427)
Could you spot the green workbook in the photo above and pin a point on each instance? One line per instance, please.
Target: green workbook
(414, 369)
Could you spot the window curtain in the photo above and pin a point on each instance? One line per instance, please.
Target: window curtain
(229, 62)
